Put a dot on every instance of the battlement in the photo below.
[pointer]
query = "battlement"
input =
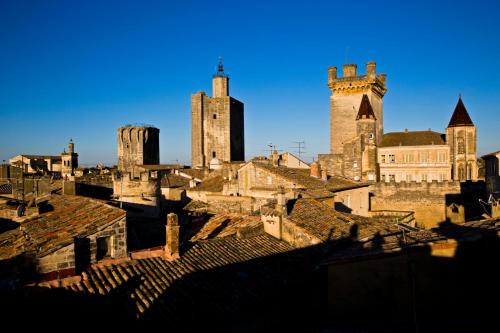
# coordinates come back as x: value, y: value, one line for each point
x: 352, y: 81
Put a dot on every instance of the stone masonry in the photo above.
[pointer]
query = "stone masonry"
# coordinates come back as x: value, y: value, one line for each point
x: 217, y: 124
x: 137, y: 145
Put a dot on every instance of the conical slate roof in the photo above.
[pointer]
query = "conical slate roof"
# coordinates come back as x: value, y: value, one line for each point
x: 460, y: 116
x: 365, y: 109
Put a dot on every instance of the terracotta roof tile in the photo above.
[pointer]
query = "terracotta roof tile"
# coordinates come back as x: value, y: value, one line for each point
x: 71, y: 216
x: 326, y: 224
x: 413, y: 138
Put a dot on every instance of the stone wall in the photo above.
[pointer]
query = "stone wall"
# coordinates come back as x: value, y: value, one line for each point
x: 332, y: 163
x: 427, y: 199
x: 66, y: 258
x: 140, y: 196
x: 229, y: 204
x: 137, y: 145
x: 355, y: 201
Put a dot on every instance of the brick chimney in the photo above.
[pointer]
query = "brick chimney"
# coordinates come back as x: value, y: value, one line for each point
x: 315, y: 170
x: 172, y: 229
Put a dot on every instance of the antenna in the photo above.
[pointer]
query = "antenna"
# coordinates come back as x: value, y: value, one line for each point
x: 272, y: 148
x: 299, y: 148
x: 346, y: 54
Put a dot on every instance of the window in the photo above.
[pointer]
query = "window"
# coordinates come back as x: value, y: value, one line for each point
x: 382, y: 178
x: 424, y: 177
x: 408, y: 158
x: 213, y: 154
x: 424, y: 157
x: 408, y: 177
x: 103, y: 248
x: 392, y: 178
x: 442, y: 156
x: 392, y: 159
x: 370, y: 136
x: 460, y: 146
x: 382, y: 159
x: 215, y: 116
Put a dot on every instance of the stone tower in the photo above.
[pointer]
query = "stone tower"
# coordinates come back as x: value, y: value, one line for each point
x: 366, y: 129
x: 347, y: 92
x: 69, y: 161
x: 461, y: 137
x: 217, y: 124
x: 137, y: 145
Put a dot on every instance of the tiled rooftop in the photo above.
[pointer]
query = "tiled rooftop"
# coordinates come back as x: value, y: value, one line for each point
x: 302, y: 178
x: 71, y: 216
x: 326, y: 224
x: 157, y: 287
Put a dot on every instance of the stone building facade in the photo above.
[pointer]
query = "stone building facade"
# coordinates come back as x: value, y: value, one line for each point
x: 492, y: 173
x: 217, y: 124
x: 137, y: 145
x: 414, y: 156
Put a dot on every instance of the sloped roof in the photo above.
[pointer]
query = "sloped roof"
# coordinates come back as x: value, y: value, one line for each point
x: 365, y: 109
x: 212, y: 276
x: 460, y: 116
x: 412, y: 138
x: 302, y: 178
x: 326, y: 224
x: 223, y: 225
x: 172, y: 180
x: 213, y: 184
x: 71, y: 216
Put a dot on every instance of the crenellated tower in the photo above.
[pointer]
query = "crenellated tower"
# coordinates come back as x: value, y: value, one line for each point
x: 346, y: 95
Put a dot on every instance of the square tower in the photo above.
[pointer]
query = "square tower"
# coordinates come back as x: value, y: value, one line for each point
x: 345, y: 99
x: 461, y: 138
x: 217, y: 124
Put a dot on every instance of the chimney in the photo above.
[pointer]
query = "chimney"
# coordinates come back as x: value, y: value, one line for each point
x: 192, y: 183
x: 281, y: 201
x: 315, y: 170
x: 172, y: 230
x: 324, y: 176
x: 275, y: 158
x: 349, y: 70
x: 332, y: 74
x: 370, y: 70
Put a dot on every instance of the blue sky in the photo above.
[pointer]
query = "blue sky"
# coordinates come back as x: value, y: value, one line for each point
x: 81, y: 69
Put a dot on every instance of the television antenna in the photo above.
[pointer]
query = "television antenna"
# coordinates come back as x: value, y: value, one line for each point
x: 299, y: 148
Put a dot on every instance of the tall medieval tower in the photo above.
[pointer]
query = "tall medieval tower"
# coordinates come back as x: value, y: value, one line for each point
x: 69, y: 161
x: 217, y: 124
x: 347, y: 92
x: 137, y: 145
x: 461, y: 137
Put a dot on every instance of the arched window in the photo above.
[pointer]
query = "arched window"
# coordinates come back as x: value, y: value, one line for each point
x: 460, y: 146
x: 461, y: 172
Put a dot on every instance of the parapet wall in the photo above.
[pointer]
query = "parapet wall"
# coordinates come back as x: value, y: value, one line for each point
x: 427, y: 199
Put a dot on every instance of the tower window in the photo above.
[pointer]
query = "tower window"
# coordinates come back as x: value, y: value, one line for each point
x: 215, y: 116
x: 214, y: 155
x: 461, y: 145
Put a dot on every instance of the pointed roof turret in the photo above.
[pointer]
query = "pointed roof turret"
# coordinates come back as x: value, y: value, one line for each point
x: 365, y: 109
x: 460, y: 116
